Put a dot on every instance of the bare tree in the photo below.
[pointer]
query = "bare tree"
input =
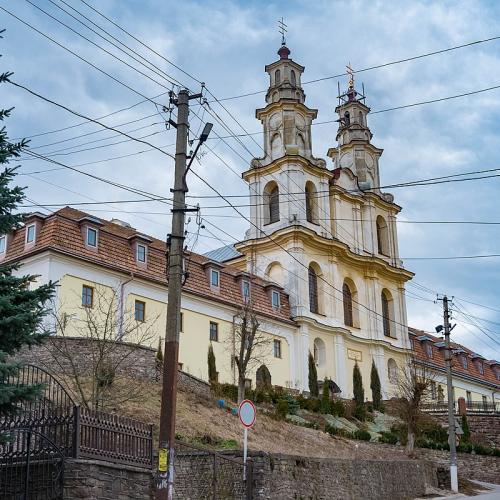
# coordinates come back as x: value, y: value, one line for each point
x: 413, y: 386
x: 250, y: 343
x: 99, y: 376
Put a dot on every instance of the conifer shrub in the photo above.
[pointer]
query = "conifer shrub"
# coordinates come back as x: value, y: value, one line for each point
x: 282, y: 409
x: 313, y: 377
x: 466, y: 429
x: 388, y: 438
x: 361, y: 435
x: 376, y: 388
x: 359, y: 394
x: 338, y: 408
x: 326, y: 406
x: 212, y: 369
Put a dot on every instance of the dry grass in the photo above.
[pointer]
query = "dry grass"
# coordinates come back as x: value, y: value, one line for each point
x: 198, y: 417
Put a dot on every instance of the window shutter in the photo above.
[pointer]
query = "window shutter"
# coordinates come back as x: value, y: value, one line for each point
x: 313, y: 290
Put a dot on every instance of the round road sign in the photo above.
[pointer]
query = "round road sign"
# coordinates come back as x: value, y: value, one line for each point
x: 247, y: 413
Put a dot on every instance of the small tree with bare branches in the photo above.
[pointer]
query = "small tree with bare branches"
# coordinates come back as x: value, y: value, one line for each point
x: 412, y: 389
x: 251, y: 345
x: 99, y: 378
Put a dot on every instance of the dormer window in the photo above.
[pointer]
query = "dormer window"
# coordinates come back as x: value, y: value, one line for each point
x: 480, y: 367
x: 245, y: 289
x: 92, y: 237
x: 141, y: 252
x: 30, y: 233
x: 428, y: 350
x: 275, y: 299
x: 3, y: 244
x: 465, y: 363
x: 214, y: 278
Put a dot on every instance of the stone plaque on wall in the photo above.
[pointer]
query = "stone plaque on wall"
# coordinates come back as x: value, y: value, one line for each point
x: 355, y: 355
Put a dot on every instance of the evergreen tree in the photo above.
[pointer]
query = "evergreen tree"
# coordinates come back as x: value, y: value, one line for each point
x: 326, y: 404
x: 359, y: 393
x: 375, y: 387
x: 466, y: 429
x: 212, y: 370
x: 21, y: 310
x: 313, y: 377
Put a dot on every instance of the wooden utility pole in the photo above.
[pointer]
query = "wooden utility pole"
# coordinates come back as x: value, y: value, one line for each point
x: 451, y: 402
x: 175, y: 247
x: 175, y: 257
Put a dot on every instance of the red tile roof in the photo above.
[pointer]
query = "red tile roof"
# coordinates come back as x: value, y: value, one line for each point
x: 490, y: 374
x: 62, y: 232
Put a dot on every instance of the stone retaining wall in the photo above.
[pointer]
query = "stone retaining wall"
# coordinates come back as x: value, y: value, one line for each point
x: 485, y: 429
x: 135, y: 360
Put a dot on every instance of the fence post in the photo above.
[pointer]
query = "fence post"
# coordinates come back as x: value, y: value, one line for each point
x: 249, y: 480
x: 151, y: 444
x: 215, y: 477
x: 76, y: 431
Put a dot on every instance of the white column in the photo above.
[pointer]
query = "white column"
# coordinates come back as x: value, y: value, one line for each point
x: 303, y: 357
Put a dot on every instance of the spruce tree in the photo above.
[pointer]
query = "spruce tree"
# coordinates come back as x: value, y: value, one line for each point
x: 375, y: 387
x: 326, y: 404
x: 21, y: 310
x: 313, y: 377
x: 212, y: 370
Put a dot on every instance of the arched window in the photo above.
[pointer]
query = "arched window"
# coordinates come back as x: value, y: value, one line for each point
x: 387, y: 312
x: 347, y: 119
x: 274, y: 272
x: 360, y: 118
x: 293, y: 79
x: 347, y: 299
x: 272, y: 203
x: 311, y: 203
x: 313, y: 290
x: 392, y: 370
x: 319, y: 352
x: 277, y: 77
x: 382, y: 236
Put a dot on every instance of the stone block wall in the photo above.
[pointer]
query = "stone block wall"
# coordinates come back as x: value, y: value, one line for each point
x: 291, y: 477
x: 478, y: 467
x: 95, y: 480
x: 135, y: 360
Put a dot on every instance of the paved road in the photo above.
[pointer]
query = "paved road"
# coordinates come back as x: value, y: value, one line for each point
x: 492, y: 494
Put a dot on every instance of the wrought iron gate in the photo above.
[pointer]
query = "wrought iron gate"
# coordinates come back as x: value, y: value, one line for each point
x: 31, y: 467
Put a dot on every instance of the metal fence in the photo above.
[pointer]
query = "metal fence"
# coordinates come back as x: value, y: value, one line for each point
x: 201, y: 473
x: 478, y: 407
x: 104, y: 436
x: 31, y: 467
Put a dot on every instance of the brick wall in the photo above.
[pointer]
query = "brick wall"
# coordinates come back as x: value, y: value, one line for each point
x: 135, y: 360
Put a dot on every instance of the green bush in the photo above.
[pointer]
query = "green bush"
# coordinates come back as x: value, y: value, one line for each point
x: 337, y: 408
x: 361, y: 435
x: 325, y: 398
x: 466, y: 429
x: 229, y: 391
x: 388, y: 438
x: 282, y: 408
x: 359, y: 412
x: 496, y: 452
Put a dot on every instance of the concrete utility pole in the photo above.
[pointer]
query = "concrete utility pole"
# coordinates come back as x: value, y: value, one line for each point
x: 175, y: 246
x: 451, y: 404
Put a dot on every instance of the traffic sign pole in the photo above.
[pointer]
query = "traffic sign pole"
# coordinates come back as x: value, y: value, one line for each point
x: 245, y: 440
x: 247, y: 413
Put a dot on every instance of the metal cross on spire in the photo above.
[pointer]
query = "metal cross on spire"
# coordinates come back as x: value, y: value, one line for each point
x: 282, y: 29
x: 350, y: 73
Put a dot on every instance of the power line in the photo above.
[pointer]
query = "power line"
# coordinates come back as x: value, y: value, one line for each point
x: 78, y: 56
x: 50, y: 101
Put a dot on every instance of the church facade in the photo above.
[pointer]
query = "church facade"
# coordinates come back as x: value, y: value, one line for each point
x: 319, y: 263
x: 327, y: 233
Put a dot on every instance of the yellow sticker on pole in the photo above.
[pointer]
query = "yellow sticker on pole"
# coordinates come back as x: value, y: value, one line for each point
x: 162, y: 460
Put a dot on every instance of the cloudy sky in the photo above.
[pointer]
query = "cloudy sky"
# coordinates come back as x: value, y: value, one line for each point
x: 226, y: 45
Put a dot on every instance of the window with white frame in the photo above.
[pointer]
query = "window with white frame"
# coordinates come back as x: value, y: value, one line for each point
x: 480, y: 367
x: 30, y: 233
x: 91, y: 237
x: 141, y: 253
x: 3, y: 244
x: 465, y: 363
x: 428, y: 350
x: 277, y: 348
x: 214, y: 277
x: 275, y: 298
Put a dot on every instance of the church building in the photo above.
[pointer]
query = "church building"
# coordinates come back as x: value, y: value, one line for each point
x: 319, y: 263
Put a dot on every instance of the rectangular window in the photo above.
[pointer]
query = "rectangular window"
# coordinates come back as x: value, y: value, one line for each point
x: 275, y: 299
x: 3, y: 245
x: 485, y: 402
x: 245, y: 289
x: 214, y: 331
x: 30, y: 233
x: 428, y: 349
x: 91, y: 237
x: 277, y: 348
x: 141, y: 253
x: 214, y: 277
x: 480, y: 367
x: 469, y: 397
x: 140, y: 310
x: 87, y: 296
x: 433, y: 390
x: 465, y: 364
x: 181, y: 326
